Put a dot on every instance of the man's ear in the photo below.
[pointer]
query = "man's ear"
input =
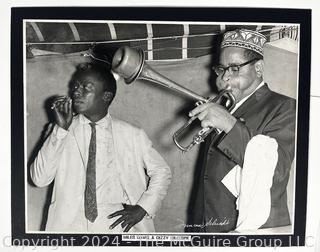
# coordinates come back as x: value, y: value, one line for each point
x: 107, y: 96
x: 259, y: 67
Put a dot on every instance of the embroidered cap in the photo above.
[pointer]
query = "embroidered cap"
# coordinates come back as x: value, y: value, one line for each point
x: 248, y: 39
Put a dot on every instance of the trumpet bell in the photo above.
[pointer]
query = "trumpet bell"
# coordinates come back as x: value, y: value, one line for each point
x: 128, y: 63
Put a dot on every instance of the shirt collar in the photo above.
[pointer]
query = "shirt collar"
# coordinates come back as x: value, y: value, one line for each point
x: 103, y: 122
x: 246, y: 98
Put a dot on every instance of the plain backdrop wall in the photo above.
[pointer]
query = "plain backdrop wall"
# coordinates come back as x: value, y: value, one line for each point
x: 159, y: 111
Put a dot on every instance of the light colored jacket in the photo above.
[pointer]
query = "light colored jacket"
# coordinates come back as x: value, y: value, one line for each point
x: 60, y: 159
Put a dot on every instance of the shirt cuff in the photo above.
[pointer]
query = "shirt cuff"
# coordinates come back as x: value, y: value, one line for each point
x: 143, y: 204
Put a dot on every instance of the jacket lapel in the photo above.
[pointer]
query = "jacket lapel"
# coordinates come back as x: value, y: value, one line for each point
x: 116, y: 139
x: 118, y: 151
x: 251, y: 103
x: 77, y: 133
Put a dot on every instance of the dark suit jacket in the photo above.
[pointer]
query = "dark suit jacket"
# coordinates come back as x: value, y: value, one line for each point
x: 267, y: 113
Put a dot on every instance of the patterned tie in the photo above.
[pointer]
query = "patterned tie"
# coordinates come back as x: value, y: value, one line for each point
x: 90, y: 197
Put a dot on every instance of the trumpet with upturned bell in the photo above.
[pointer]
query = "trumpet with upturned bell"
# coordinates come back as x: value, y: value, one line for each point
x: 130, y: 64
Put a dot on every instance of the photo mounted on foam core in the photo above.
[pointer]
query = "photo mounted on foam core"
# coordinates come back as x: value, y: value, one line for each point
x: 154, y: 129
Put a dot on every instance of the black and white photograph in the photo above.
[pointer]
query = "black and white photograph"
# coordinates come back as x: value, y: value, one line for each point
x: 162, y: 129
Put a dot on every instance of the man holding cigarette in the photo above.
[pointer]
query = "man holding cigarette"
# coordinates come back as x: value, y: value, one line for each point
x: 102, y: 167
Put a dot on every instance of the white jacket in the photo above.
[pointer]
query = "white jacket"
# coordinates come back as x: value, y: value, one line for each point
x: 60, y: 160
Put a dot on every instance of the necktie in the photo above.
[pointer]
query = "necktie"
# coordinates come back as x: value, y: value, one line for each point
x: 90, y: 197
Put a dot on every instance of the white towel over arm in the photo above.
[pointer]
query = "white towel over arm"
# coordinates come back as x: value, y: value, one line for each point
x: 251, y: 184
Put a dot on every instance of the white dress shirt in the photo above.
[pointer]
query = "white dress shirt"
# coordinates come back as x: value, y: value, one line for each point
x: 109, y: 191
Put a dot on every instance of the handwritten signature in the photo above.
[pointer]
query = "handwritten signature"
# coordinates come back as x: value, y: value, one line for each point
x: 211, y: 222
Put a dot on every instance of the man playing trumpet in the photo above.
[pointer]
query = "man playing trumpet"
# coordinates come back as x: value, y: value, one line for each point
x: 246, y: 168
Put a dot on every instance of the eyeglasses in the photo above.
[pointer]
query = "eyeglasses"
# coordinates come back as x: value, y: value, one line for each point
x: 232, y: 69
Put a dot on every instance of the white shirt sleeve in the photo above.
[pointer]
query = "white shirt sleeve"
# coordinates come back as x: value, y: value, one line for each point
x: 44, y: 167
